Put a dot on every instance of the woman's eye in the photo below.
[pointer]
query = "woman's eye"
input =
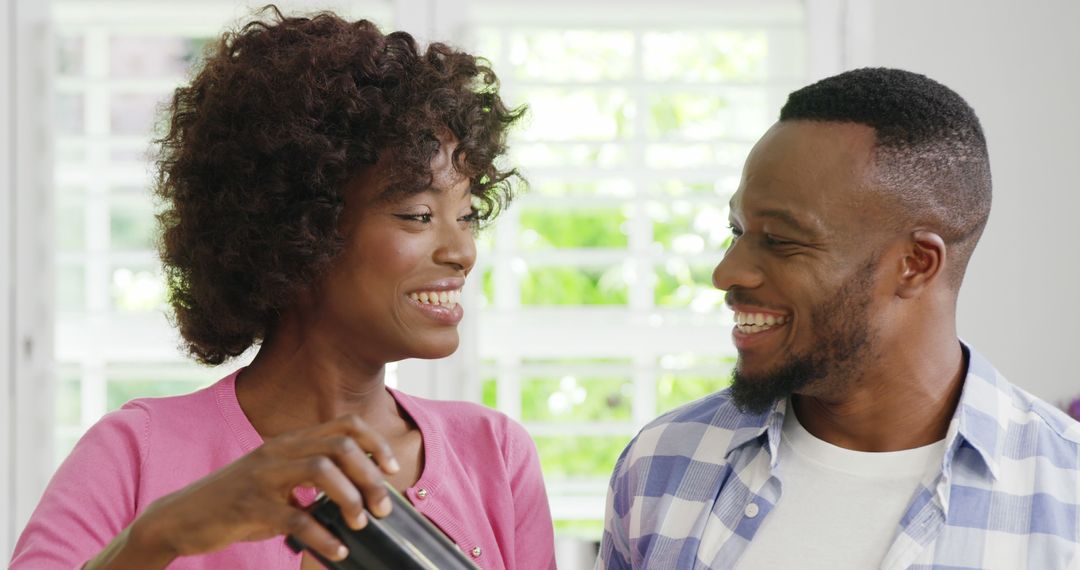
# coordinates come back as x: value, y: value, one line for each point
x: 735, y: 232
x: 471, y: 218
x: 422, y: 218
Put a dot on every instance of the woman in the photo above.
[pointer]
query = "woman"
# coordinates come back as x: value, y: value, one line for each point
x: 319, y: 180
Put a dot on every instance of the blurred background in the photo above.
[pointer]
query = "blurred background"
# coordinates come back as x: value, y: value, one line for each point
x: 591, y: 310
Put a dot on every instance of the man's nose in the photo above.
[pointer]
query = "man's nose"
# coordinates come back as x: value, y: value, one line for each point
x: 737, y: 268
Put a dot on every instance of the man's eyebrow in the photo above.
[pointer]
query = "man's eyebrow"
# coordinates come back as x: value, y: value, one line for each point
x: 788, y: 219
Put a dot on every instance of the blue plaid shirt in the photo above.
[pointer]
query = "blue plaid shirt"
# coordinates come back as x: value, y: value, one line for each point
x: 694, y: 486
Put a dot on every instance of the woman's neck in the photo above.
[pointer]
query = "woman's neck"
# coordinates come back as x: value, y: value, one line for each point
x: 300, y: 380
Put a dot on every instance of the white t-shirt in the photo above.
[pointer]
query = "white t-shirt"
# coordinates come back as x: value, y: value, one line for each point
x: 839, y: 509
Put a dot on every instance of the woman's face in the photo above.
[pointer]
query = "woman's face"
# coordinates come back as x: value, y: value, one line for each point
x: 393, y: 292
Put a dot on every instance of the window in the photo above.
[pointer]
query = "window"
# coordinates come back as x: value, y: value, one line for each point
x: 599, y: 312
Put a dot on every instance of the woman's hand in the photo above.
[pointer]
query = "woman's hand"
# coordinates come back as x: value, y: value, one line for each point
x: 252, y: 498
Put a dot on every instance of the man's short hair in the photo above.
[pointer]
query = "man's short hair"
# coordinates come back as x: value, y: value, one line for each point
x: 930, y: 154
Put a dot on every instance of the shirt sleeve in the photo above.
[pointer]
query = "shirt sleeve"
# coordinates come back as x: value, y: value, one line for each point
x: 91, y: 498
x: 615, y: 543
x: 534, y: 544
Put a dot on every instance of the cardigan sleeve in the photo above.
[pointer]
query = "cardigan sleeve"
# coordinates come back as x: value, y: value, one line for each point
x: 91, y: 498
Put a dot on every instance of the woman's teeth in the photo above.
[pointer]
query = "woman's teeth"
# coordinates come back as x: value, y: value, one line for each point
x: 751, y: 323
x: 445, y: 298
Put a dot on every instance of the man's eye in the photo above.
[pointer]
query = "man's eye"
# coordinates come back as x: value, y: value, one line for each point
x: 422, y: 218
x: 774, y: 241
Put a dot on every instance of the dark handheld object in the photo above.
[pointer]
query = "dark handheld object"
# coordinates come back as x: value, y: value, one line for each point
x: 402, y: 540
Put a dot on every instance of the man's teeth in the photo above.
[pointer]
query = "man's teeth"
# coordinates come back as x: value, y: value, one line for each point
x: 445, y: 298
x: 757, y: 322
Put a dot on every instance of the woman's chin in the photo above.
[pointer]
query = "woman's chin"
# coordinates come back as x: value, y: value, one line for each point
x: 435, y: 350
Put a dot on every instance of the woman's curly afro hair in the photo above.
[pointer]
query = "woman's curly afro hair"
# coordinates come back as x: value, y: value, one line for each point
x: 262, y: 143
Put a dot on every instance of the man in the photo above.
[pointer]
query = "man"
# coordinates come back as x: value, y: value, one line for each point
x: 858, y: 432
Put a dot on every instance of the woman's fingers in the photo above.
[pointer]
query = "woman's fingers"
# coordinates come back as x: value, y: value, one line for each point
x: 349, y: 442
x: 322, y: 472
x: 368, y: 439
x: 362, y: 472
x: 304, y: 527
x: 371, y: 441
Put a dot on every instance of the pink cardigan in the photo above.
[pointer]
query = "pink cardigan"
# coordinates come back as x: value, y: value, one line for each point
x: 481, y: 481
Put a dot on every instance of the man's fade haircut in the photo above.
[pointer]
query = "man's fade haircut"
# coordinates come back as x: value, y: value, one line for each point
x: 930, y: 153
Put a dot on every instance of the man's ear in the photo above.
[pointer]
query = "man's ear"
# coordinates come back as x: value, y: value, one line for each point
x: 922, y: 264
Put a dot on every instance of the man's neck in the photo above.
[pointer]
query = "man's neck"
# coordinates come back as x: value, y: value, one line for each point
x: 904, y: 401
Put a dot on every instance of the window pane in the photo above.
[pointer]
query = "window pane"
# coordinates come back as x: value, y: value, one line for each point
x: 70, y: 58
x: 64, y: 440
x: 579, y: 456
x: 728, y: 156
x: 571, y: 398
x: 570, y: 55
x: 574, y: 286
x: 120, y: 392
x: 673, y: 390
x: 578, y: 228
x: 69, y: 113
x: 131, y: 225
x: 137, y: 289
x: 68, y: 398
x: 560, y: 114
x: 679, y: 284
x: 152, y: 56
x: 562, y: 155
x: 693, y: 56
x: 70, y: 228
x: 689, y: 228
x: 614, y: 187
x: 487, y: 287
x: 70, y: 288
x: 709, y: 115
x: 489, y: 391
x: 135, y: 113
x: 722, y: 186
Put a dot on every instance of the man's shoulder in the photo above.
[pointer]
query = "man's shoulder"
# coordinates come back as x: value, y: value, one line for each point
x: 1054, y: 419
x: 1034, y: 427
x: 689, y: 430
x: 1014, y: 410
x: 1031, y: 446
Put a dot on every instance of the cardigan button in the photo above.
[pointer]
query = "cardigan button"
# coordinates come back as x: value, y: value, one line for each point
x: 476, y: 552
x: 422, y: 493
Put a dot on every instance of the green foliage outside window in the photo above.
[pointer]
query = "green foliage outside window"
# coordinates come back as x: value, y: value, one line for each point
x: 579, y: 456
x: 579, y: 228
x: 574, y: 286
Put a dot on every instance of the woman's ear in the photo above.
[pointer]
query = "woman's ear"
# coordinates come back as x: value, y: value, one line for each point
x: 921, y: 265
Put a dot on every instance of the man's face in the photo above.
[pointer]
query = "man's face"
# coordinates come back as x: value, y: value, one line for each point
x: 801, y: 272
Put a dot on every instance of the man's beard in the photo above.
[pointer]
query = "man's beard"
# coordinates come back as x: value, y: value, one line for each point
x: 844, y: 337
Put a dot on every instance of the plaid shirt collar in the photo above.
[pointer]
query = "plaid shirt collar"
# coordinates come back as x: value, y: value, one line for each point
x: 974, y: 423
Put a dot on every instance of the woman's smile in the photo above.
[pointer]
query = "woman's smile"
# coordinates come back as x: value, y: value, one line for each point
x: 443, y: 307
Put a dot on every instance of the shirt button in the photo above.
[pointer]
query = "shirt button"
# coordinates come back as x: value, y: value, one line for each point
x: 476, y: 552
x: 751, y: 510
x: 422, y: 493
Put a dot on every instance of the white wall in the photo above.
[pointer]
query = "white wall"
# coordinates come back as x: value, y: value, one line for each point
x: 1018, y: 64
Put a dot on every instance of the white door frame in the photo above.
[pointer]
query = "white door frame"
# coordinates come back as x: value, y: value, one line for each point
x: 26, y: 317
